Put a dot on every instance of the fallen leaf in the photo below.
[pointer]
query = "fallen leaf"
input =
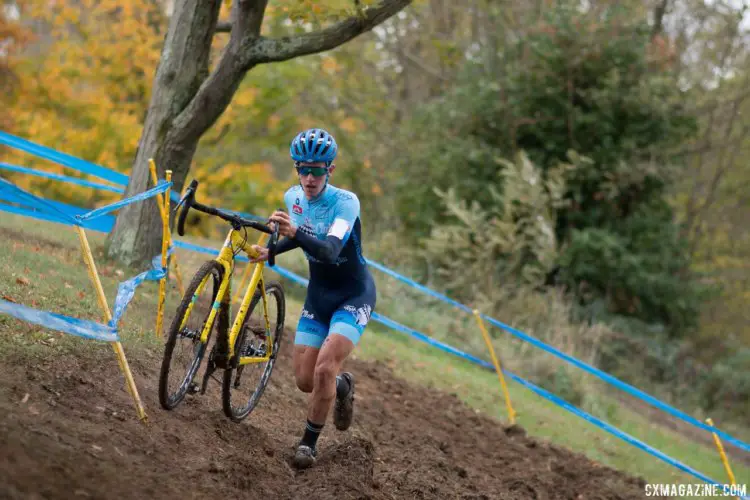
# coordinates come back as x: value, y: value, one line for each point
x: 81, y: 295
x: 22, y: 280
x: 9, y: 299
x: 96, y: 448
x: 25, y: 398
x: 68, y: 285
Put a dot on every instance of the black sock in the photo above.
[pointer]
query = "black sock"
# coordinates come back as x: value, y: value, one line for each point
x: 342, y: 386
x: 312, y: 431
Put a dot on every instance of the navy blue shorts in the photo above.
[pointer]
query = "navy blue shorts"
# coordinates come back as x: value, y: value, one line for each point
x: 344, y: 311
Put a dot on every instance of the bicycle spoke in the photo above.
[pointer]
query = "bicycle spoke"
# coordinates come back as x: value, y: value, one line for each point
x: 244, y: 384
x: 184, y: 351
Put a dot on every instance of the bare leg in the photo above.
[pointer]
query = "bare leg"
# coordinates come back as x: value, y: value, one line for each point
x: 319, y: 368
x: 305, y: 358
x: 333, y: 353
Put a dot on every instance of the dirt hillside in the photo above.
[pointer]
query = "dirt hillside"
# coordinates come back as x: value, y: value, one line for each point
x: 67, y: 430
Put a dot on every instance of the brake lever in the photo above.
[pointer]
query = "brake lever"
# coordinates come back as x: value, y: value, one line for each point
x: 179, y: 204
x: 188, y: 192
x: 272, y: 244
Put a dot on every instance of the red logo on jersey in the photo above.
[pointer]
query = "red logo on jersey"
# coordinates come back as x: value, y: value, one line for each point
x: 297, y: 209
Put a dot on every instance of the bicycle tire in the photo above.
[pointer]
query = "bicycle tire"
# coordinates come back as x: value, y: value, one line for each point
x: 237, y: 414
x: 170, y: 401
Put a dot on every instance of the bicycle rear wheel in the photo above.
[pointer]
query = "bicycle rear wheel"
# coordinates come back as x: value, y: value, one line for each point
x: 187, y: 325
x: 243, y: 385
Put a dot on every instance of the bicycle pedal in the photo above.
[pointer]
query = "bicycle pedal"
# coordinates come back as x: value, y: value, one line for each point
x: 194, y: 388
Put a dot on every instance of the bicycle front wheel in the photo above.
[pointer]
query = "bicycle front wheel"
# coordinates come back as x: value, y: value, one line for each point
x: 243, y: 385
x: 184, y: 350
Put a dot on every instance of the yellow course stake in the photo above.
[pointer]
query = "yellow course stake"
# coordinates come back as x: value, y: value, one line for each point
x: 164, y: 212
x: 498, y: 369
x: 723, y: 455
x: 164, y: 248
x: 119, y: 351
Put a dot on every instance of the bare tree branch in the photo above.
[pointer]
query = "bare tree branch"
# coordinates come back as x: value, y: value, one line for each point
x: 659, y: 12
x: 217, y: 90
x: 264, y: 50
x: 246, y: 48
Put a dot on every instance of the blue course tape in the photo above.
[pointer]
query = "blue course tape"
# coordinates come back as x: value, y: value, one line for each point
x: 34, y: 214
x: 73, y: 326
x: 619, y: 384
x: 160, y: 188
x: 29, y: 201
x: 12, y: 193
x: 429, y: 340
x: 452, y: 350
x: 63, y: 159
x: 62, y: 178
x: 13, y: 141
x: 419, y: 287
x: 103, y: 225
x: 126, y: 289
x: 580, y: 364
x: 612, y: 430
x: 542, y: 392
x: 67, y: 214
x: 69, y: 161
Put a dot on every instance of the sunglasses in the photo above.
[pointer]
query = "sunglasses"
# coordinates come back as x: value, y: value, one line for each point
x: 316, y: 171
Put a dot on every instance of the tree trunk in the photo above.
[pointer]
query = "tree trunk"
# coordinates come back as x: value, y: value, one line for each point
x: 186, y: 100
x: 136, y: 236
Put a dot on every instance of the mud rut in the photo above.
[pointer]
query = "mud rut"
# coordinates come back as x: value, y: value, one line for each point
x: 75, y: 436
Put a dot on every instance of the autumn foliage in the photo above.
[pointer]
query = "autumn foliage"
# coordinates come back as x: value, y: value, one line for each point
x: 83, y: 88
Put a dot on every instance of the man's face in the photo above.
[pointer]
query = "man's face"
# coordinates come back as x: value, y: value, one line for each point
x: 314, y: 180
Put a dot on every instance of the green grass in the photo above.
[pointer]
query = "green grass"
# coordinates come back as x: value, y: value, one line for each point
x: 41, y: 266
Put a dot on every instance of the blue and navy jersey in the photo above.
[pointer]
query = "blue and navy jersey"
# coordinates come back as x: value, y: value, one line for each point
x: 334, y: 212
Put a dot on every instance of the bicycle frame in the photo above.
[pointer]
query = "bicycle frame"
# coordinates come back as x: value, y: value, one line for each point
x: 226, y: 259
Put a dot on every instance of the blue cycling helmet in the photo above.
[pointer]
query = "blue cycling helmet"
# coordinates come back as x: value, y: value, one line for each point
x: 314, y: 145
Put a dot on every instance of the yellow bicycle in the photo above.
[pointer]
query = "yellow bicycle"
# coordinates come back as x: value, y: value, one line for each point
x: 251, y: 343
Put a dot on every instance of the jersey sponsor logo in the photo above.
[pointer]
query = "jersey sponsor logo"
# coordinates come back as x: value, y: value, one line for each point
x: 361, y: 315
x: 297, y: 209
x: 307, y: 314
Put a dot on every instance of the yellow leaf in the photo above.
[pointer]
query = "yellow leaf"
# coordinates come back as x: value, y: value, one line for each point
x: 329, y: 65
x: 349, y: 125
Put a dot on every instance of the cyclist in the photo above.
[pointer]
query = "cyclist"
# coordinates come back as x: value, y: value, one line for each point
x: 324, y: 221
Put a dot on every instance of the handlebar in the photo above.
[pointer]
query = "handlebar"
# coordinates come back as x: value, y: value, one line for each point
x: 235, y: 220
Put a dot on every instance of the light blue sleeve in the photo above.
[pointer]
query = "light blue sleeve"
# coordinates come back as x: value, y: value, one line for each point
x: 345, y: 214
